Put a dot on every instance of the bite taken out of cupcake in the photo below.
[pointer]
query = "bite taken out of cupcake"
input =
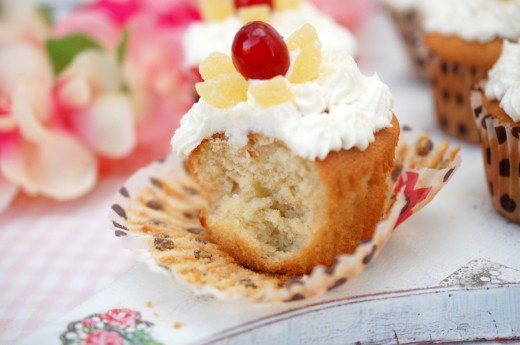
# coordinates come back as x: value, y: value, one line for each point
x: 293, y: 148
x: 223, y: 18
x: 496, y: 106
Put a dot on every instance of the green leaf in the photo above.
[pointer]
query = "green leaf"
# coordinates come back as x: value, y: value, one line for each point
x: 121, y: 48
x: 63, y: 50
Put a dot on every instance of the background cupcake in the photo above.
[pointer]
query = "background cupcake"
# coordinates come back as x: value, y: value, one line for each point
x: 465, y: 39
x: 407, y: 16
x: 496, y: 105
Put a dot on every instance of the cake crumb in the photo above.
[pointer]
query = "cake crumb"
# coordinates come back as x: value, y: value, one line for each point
x: 149, y: 304
x: 156, y: 314
x: 178, y: 325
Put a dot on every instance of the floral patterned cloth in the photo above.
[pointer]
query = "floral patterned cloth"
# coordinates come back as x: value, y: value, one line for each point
x: 114, y: 327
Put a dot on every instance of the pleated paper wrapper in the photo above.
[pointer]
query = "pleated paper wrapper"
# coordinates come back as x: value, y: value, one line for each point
x: 500, y: 143
x: 156, y: 215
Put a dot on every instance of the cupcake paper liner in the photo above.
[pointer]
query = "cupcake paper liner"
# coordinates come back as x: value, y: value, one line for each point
x: 156, y: 213
x: 451, y: 85
x: 410, y: 28
x: 500, y: 150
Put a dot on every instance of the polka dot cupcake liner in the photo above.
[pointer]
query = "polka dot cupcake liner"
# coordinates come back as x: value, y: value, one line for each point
x: 451, y: 84
x: 156, y: 214
x: 501, y: 156
x: 410, y: 29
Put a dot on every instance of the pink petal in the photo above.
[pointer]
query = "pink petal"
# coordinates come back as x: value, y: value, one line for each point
x: 97, y: 69
x: 91, y: 22
x: 108, y: 126
x: 59, y: 167
x: 118, y: 11
x: 28, y: 108
x: 8, y: 191
x: 21, y: 60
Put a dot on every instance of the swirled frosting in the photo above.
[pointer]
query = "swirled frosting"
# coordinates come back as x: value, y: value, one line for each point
x: 341, y: 109
x: 504, y: 80
x: 474, y: 20
x: 203, y: 38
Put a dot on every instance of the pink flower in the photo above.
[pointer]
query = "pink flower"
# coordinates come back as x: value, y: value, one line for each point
x: 36, y: 156
x: 104, y: 338
x: 121, y: 317
x: 159, y: 87
x: 89, y: 322
x: 51, y: 131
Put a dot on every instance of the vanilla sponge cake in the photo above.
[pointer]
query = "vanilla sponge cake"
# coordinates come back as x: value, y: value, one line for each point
x: 296, y: 177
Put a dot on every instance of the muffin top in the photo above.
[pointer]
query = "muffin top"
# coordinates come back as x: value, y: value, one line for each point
x: 203, y: 38
x: 474, y: 20
x: 321, y: 103
x: 504, y: 80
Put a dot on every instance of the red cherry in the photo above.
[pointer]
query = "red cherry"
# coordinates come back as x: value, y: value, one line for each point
x: 245, y: 3
x: 259, y: 52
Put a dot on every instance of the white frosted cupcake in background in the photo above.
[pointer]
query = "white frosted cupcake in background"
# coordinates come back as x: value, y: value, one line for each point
x: 496, y: 108
x: 464, y: 39
x: 407, y: 15
x: 223, y: 18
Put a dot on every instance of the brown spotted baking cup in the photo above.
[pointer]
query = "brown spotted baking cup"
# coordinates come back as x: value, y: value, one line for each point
x: 451, y: 84
x: 500, y: 150
x: 409, y: 25
x: 156, y: 213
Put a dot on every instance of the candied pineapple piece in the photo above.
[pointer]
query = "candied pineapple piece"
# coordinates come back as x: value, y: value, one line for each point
x: 304, y: 36
x: 271, y: 92
x: 216, y: 9
x: 253, y: 13
x: 306, y: 66
x: 283, y: 5
x: 216, y: 64
x: 224, y: 90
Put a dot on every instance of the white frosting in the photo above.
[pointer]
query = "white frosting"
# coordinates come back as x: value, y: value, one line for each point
x: 203, y: 38
x: 341, y: 109
x: 504, y: 80
x: 474, y: 20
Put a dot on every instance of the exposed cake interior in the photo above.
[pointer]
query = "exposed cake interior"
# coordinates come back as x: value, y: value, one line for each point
x: 261, y: 190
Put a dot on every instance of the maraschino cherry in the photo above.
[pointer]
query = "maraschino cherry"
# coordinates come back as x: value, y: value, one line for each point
x: 259, y: 52
x: 245, y: 3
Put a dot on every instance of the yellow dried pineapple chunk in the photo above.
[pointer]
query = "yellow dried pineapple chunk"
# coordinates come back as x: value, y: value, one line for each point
x: 253, y: 13
x: 216, y: 64
x: 216, y: 9
x: 306, y: 66
x: 283, y: 5
x: 304, y: 36
x: 223, y: 91
x: 271, y: 92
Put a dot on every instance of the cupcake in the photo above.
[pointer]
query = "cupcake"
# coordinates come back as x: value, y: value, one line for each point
x: 464, y: 38
x: 223, y: 18
x: 407, y: 16
x: 496, y: 105
x: 293, y: 148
